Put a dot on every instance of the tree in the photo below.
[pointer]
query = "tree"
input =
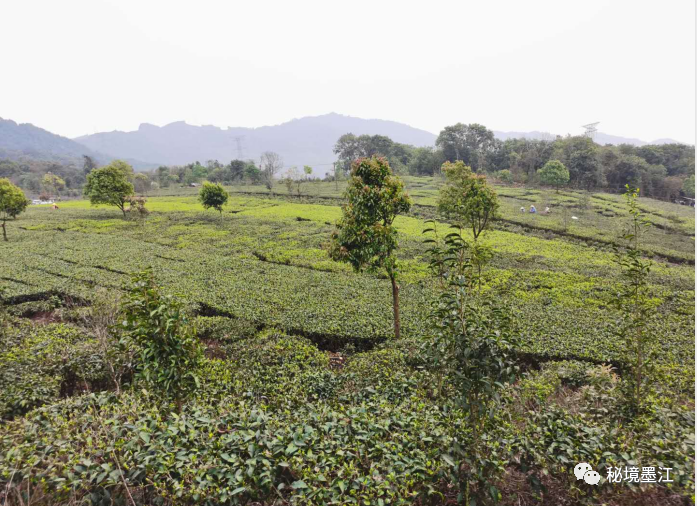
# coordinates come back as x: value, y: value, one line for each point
x: 163, y: 176
x: 637, y: 307
x: 213, y: 195
x: 505, y: 176
x: 348, y: 149
x: 12, y: 203
x: 253, y: 173
x: 236, y: 170
x: 425, y: 161
x: 125, y: 168
x: 688, y: 187
x: 88, y: 164
x: 469, y: 143
x: 156, y: 325
x: 554, y: 173
x: 308, y: 171
x: 52, y: 184
x: 141, y: 182
x: 473, y: 345
x: 467, y: 199
x: 581, y: 156
x: 271, y: 163
x: 110, y: 186
x: 628, y: 170
x: 365, y: 236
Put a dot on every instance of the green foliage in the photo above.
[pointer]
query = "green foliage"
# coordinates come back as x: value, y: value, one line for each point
x: 467, y: 199
x: 222, y: 328
x: 554, y: 173
x: 110, y: 185
x: 466, y: 143
x: 167, y: 345
x: 12, y: 203
x: 637, y: 307
x: 52, y: 183
x: 505, y: 176
x: 213, y: 195
x: 38, y: 364
x: 365, y: 236
x: 350, y: 148
x: 474, y: 345
x: 688, y: 187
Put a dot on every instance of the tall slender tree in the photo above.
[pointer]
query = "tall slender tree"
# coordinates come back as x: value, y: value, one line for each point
x: 365, y: 235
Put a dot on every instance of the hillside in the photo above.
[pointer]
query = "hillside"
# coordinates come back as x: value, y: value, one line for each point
x: 305, y: 141
x: 19, y: 140
x: 600, y: 137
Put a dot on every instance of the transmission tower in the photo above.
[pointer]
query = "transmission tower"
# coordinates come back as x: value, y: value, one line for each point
x: 240, y: 152
x: 591, y: 129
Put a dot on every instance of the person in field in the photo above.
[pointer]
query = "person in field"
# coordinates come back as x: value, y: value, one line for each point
x: 533, y: 210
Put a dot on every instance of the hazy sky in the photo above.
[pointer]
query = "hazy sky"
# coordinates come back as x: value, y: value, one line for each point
x: 76, y: 67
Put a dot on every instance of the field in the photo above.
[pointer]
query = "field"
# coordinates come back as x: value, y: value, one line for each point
x: 306, y: 397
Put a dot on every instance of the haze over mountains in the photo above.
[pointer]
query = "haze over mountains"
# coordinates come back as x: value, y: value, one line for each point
x: 304, y: 141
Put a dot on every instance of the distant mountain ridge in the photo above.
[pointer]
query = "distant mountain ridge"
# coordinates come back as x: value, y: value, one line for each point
x: 600, y: 137
x: 304, y: 141
x: 24, y: 140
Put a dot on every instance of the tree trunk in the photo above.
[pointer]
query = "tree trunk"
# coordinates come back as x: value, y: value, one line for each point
x: 395, y: 305
x: 4, y: 231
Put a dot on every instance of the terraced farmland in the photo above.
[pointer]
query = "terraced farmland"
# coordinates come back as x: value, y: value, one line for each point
x: 277, y: 316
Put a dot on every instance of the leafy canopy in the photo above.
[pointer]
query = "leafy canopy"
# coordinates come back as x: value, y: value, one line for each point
x: 157, y: 326
x: 110, y: 185
x: 365, y: 237
x: 467, y: 199
x: 554, y: 173
x: 213, y: 195
x: 12, y: 202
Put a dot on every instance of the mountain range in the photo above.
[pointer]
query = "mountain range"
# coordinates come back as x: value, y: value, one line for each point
x: 304, y: 141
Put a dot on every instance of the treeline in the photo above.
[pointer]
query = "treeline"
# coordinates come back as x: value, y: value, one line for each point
x: 663, y: 171
x: 237, y: 171
x: 52, y: 178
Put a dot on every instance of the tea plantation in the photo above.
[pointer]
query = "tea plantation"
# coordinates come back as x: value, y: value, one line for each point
x: 304, y: 396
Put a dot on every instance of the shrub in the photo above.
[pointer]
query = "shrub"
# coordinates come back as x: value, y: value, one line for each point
x: 166, y: 343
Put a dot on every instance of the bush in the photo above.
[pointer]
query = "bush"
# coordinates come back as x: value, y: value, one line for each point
x: 156, y: 326
x: 39, y: 364
x: 505, y: 176
x: 222, y: 328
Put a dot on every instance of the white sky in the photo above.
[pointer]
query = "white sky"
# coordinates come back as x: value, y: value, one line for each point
x: 75, y: 67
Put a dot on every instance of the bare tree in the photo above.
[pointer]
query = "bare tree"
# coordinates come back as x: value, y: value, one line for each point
x: 271, y: 164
